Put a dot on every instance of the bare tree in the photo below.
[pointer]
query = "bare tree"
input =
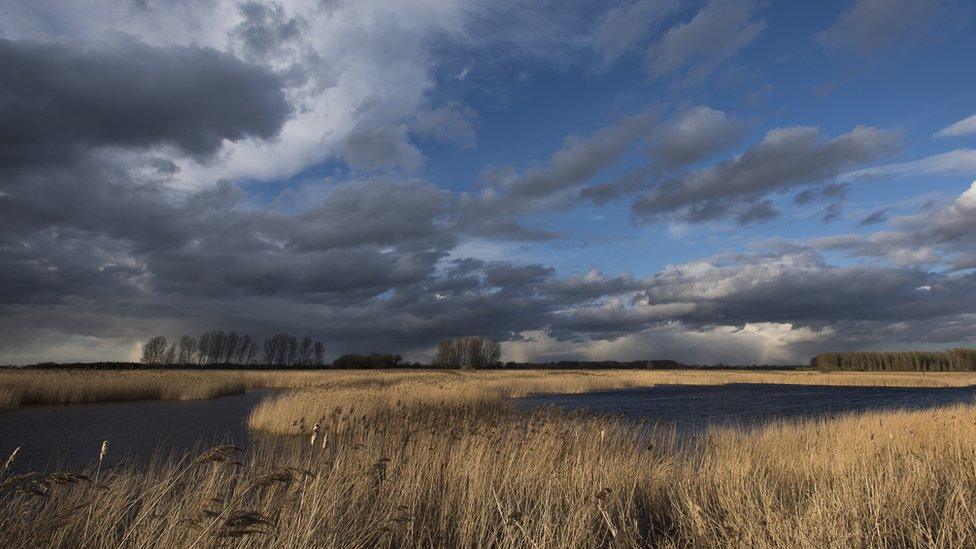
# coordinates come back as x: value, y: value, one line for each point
x: 447, y: 354
x: 305, y: 352
x: 280, y: 349
x: 292, y: 350
x: 468, y: 352
x: 491, y: 353
x: 243, y: 349
x: 230, y: 347
x: 154, y: 351
x: 216, y: 351
x: 187, y: 350
x: 270, y: 350
x: 170, y: 357
x: 319, y: 352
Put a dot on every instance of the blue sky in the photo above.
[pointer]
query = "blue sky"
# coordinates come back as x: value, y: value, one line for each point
x: 718, y: 180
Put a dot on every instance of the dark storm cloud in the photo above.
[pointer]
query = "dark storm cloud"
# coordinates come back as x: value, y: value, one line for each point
x: 831, y: 294
x: 576, y: 289
x: 517, y: 277
x: 57, y: 101
x: 97, y: 242
x: 794, y: 288
x: 378, y: 212
x: 786, y: 158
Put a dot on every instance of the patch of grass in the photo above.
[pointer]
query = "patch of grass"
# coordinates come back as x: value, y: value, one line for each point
x: 20, y: 387
x: 439, y: 459
x: 368, y: 392
x: 487, y: 475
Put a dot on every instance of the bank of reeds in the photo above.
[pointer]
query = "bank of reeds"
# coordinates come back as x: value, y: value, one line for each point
x: 479, y: 475
x: 372, y: 392
x: 23, y: 387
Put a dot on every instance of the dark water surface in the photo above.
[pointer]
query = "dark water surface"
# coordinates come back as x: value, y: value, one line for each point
x: 69, y: 436
x: 691, y: 408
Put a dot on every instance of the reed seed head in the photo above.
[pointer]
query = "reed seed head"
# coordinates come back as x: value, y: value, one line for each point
x: 12, y: 458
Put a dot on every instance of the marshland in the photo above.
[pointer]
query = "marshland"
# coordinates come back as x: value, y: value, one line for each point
x: 446, y: 458
x: 547, y: 274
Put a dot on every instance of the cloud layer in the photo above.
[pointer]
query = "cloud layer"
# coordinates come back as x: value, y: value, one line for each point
x: 267, y: 166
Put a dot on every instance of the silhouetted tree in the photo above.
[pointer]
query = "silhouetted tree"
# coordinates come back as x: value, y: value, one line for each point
x: 243, y: 349
x: 305, y: 352
x: 252, y: 352
x: 231, y: 341
x: 916, y: 361
x: 280, y: 349
x: 468, y: 352
x: 292, y: 351
x: 187, y: 350
x: 154, y: 351
x: 203, y: 348
x: 170, y: 357
x: 319, y: 352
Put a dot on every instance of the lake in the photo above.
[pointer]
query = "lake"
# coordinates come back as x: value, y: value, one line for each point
x: 693, y: 407
x: 69, y: 436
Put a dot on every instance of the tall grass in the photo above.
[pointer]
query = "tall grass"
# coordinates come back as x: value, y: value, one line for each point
x: 372, y: 392
x: 67, y: 386
x: 9, y: 399
x: 479, y: 475
x: 20, y: 387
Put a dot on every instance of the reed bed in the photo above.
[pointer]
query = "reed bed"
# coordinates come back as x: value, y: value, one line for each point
x: 479, y: 475
x: 370, y: 392
x: 69, y: 386
x: 20, y: 387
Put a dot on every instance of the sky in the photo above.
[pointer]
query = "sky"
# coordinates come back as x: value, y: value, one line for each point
x: 730, y: 181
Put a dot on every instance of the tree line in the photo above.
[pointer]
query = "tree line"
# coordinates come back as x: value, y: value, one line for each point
x: 907, y: 361
x: 468, y: 353
x: 216, y: 347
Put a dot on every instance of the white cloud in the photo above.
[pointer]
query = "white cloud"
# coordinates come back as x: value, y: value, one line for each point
x: 966, y: 126
x: 959, y: 161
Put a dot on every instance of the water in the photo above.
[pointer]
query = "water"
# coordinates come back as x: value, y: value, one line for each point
x: 69, y: 436
x: 691, y: 408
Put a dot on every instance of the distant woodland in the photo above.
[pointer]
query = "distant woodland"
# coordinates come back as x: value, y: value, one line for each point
x: 953, y: 360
